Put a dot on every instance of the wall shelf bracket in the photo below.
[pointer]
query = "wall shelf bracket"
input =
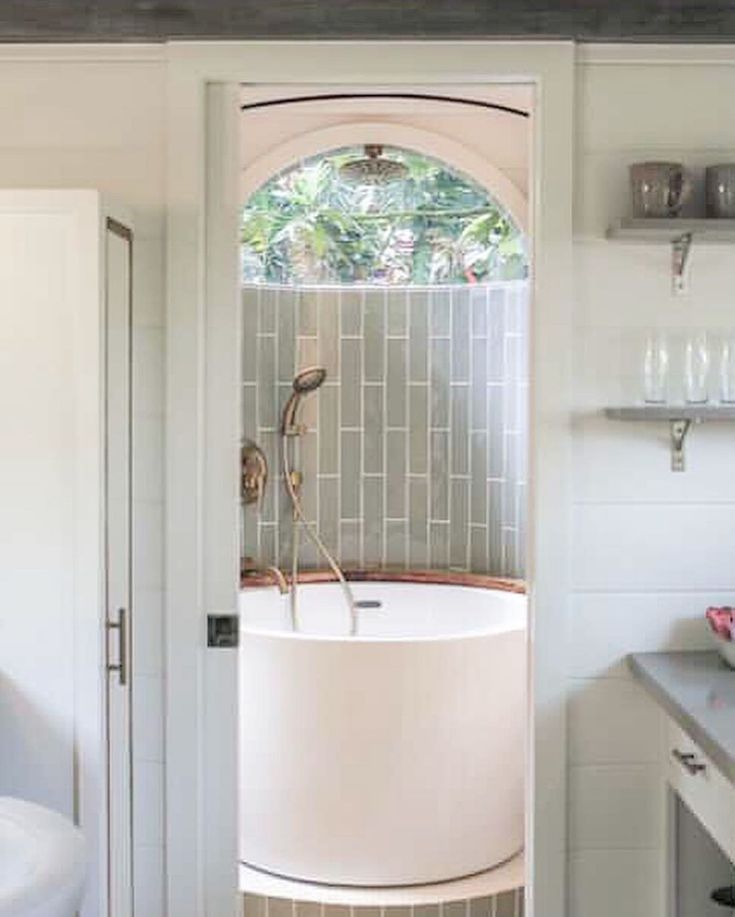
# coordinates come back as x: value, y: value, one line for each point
x: 681, y: 248
x: 679, y: 430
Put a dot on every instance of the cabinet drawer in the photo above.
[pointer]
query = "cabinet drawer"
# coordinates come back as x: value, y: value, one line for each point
x: 704, y: 789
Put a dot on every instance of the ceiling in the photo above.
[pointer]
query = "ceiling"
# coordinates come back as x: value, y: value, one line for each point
x: 158, y: 20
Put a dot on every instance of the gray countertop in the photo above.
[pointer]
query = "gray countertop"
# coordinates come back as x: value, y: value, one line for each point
x: 697, y: 689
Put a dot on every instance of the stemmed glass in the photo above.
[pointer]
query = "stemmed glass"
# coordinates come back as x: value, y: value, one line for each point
x: 727, y: 369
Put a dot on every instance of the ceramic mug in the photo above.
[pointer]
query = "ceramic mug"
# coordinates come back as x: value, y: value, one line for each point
x: 659, y: 188
x: 720, y: 190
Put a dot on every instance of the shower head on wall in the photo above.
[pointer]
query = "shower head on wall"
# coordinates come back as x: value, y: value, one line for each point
x: 309, y: 379
x: 373, y: 169
x: 306, y: 381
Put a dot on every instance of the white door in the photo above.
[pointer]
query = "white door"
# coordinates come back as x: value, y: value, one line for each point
x: 118, y: 347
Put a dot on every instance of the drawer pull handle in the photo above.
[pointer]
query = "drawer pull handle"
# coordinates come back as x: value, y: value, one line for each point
x: 688, y: 761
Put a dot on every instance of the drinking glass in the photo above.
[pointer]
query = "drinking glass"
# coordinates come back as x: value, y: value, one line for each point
x: 727, y: 369
x: 656, y: 368
x: 696, y: 368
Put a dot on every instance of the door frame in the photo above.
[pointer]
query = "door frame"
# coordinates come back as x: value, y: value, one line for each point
x: 202, y: 427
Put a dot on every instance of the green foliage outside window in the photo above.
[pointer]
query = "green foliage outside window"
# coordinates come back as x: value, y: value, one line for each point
x: 309, y: 226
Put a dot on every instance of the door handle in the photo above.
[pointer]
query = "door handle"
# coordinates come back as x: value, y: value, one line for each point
x: 121, y: 666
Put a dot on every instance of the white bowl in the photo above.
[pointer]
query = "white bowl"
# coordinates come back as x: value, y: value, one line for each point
x: 727, y: 649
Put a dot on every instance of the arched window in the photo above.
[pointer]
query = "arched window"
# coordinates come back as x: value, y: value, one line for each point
x: 377, y: 215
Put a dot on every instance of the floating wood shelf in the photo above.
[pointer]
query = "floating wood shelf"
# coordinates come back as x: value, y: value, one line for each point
x: 680, y: 418
x: 671, y: 230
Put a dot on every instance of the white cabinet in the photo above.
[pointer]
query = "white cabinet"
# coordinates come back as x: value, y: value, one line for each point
x: 700, y: 856
x: 65, y: 303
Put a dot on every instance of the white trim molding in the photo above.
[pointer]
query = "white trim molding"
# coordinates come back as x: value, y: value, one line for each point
x: 200, y: 686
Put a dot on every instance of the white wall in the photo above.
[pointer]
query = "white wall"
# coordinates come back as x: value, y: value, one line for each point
x: 95, y: 118
x: 651, y: 549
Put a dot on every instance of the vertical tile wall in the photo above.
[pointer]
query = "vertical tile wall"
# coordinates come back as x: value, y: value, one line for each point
x: 416, y: 450
x: 506, y: 904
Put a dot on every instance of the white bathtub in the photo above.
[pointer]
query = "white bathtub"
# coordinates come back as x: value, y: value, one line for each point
x: 392, y: 758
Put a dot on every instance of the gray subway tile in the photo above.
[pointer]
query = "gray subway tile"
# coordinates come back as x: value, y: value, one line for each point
x: 372, y: 534
x: 495, y: 431
x: 496, y: 346
x: 366, y: 912
x: 495, y: 542
x: 249, y: 302
x: 351, y: 311
x: 454, y: 909
x: 460, y: 459
x: 418, y: 333
x: 329, y: 396
x: 267, y: 411
x: 507, y: 904
x: 349, y: 537
x: 329, y: 512
x: 439, y: 506
x: 254, y: 906
x: 269, y: 443
x: 440, y: 383
x: 481, y: 907
x: 478, y: 548
x: 418, y: 440
x: 309, y: 556
x: 308, y: 909
x: 478, y: 417
x: 458, y: 524
x: 307, y: 306
x: 396, y: 543
x: 307, y: 463
x: 418, y: 522
x: 337, y: 910
x: 268, y: 553
x: 396, y: 390
x: 374, y: 429
x: 441, y: 305
x: 328, y: 335
x: 351, y: 383
x: 478, y: 305
x: 478, y: 471
x: 249, y: 405
x: 250, y: 526
x: 439, y: 545
x: 280, y: 907
x: 350, y: 464
x: 395, y: 474
x: 429, y: 910
x: 460, y: 336
x: 396, y: 309
x: 286, y: 336
x: 268, y: 309
x: 374, y: 336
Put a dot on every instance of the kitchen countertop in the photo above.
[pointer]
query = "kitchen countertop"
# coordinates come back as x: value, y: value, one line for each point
x: 697, y: 690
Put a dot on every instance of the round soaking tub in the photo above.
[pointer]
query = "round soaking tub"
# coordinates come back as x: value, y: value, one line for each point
x: 394, y: 757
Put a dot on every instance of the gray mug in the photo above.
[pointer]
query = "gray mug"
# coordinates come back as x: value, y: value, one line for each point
x: 659, y: 188
x: 720, y: 190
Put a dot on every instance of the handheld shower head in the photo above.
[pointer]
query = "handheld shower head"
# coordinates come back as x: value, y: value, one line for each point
x: 306, y: 381
x: 309, y: 379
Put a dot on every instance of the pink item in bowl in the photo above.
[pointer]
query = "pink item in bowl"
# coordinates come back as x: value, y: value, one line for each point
x: 722, y: 621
